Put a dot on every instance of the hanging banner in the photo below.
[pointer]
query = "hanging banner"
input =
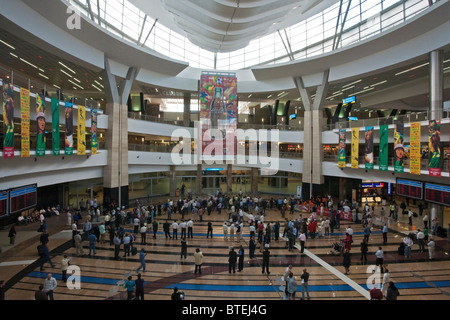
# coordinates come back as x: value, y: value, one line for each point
x: 342, y: 155
x: 68, y: 139
x: 434, y: 147
x: 384, y: 159
x: 399, y: 150
x: 40, y: 121
x: 368, y: 149
x: 415, y: 154
x: 24, y: 123
x: 81, y: 140
x: 8, y: 120
x: 94, y: 142
x: 55, y: 127
x: 218, y: 115
x: 355, y: 148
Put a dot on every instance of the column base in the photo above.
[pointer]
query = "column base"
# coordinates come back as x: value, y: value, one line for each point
x: 111, y: 195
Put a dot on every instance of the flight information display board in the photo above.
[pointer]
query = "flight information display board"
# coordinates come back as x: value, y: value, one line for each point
x: 23, y: 198
x: 4, y: 195
x: 437, y: 193
x: 410, y: 188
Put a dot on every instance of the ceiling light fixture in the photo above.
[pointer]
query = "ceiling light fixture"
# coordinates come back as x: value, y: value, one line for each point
x: 43, y: 76
x: 413, y: 68
x: 7, y: 44
x: 14, y: 55
x: 66, y: 67
x: 76, y: 84
x: 349, y: 84
x: 67, y: 74
x: 27, y: 62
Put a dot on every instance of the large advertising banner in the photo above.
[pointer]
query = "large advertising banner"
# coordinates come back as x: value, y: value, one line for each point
x: 399, y: 150
x: 55, y: 127
x: 24, y: 123
x: 40, y: 121
x: 384, y: 152
x: 81, y: 139
x: 94, y: 143
x: 355, y: 148
x: 342, y: 155
x: 218, y: 114
x: 368, y: 148
x: 8, y: 120
x: 415, y: 154
x: 68, y: 139
x: 434, y: 147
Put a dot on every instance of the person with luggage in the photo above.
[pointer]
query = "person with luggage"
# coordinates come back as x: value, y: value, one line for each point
x: 408, y: 241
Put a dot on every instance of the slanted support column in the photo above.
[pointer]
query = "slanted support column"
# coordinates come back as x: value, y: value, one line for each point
x: 199, y: 179
x: 313, y: 124
x: 115, y: 174
x: 255, y: 175
x: 173, y: 181
x: 229, y: 179
x: 187, y: 110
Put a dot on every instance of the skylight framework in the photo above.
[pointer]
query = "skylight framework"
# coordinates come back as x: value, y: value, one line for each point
x: 343, y: 24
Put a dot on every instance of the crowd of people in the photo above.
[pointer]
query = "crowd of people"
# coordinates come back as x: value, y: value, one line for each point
x: 316, y: 218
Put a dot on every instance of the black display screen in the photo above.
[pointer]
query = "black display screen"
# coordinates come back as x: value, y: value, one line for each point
x: 437, y: 193
x: 410, y: 188
x: 23, y: 198
x: 4, y: 203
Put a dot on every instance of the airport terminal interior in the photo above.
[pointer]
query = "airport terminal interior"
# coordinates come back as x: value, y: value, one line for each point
x: 317, y: 132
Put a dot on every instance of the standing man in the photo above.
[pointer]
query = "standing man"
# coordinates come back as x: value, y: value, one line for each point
x: 385, y: 231
x: 252, y: 247
x: 50, y: 285
x: 175, y: 230
x: 305, y: 289
x: 225, y: 231
x: 143, y: 233
x: 155, y: 228
x: 92, y: 239
x: 410, y: 216
x: 241, y: 259
x: 198, y: 258
x: 117, y: 242
x: 139, y: 287
x: 45, y: 256
x: 78, y: 246
x: 302, y: 238
x: 232, y: 258
x: 190, y: 225
x: 166, y: 228
x: 266, y: 260
x: 420, y: 240
x: 379, y: 261
x: 183, y: 226
x: 65, y: 262
x: 210, y: 230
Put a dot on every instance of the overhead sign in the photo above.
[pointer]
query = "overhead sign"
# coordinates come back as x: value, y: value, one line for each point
x: 348, y: 100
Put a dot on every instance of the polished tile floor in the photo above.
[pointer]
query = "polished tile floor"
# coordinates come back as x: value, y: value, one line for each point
x: 101, y: 276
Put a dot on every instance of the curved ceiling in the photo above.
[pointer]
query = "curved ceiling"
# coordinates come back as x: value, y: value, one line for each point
x: 228, y: 25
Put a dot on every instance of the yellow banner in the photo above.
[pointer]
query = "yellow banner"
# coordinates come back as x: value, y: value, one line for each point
x: 414, y: 151
x: 25, y: 122
x: 355, y: 148
x: 81, y: 144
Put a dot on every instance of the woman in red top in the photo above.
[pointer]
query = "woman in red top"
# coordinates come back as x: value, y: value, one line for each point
x: 348, y: 242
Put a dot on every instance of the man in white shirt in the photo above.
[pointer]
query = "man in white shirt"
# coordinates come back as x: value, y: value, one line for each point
x: 143, y: 233
x: 431, y: 245
x: 302, y: 238
x: 174, y: 230
x: 190, y: 225
x: 136, y: 223
x: 410, y: 216
x: 379, y: 261
x: 420, y: 240
x: 425, y: 220
x: 232, y: 232
x: 49, y: 286
x: 225, y: 231
x: 183, y: 226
